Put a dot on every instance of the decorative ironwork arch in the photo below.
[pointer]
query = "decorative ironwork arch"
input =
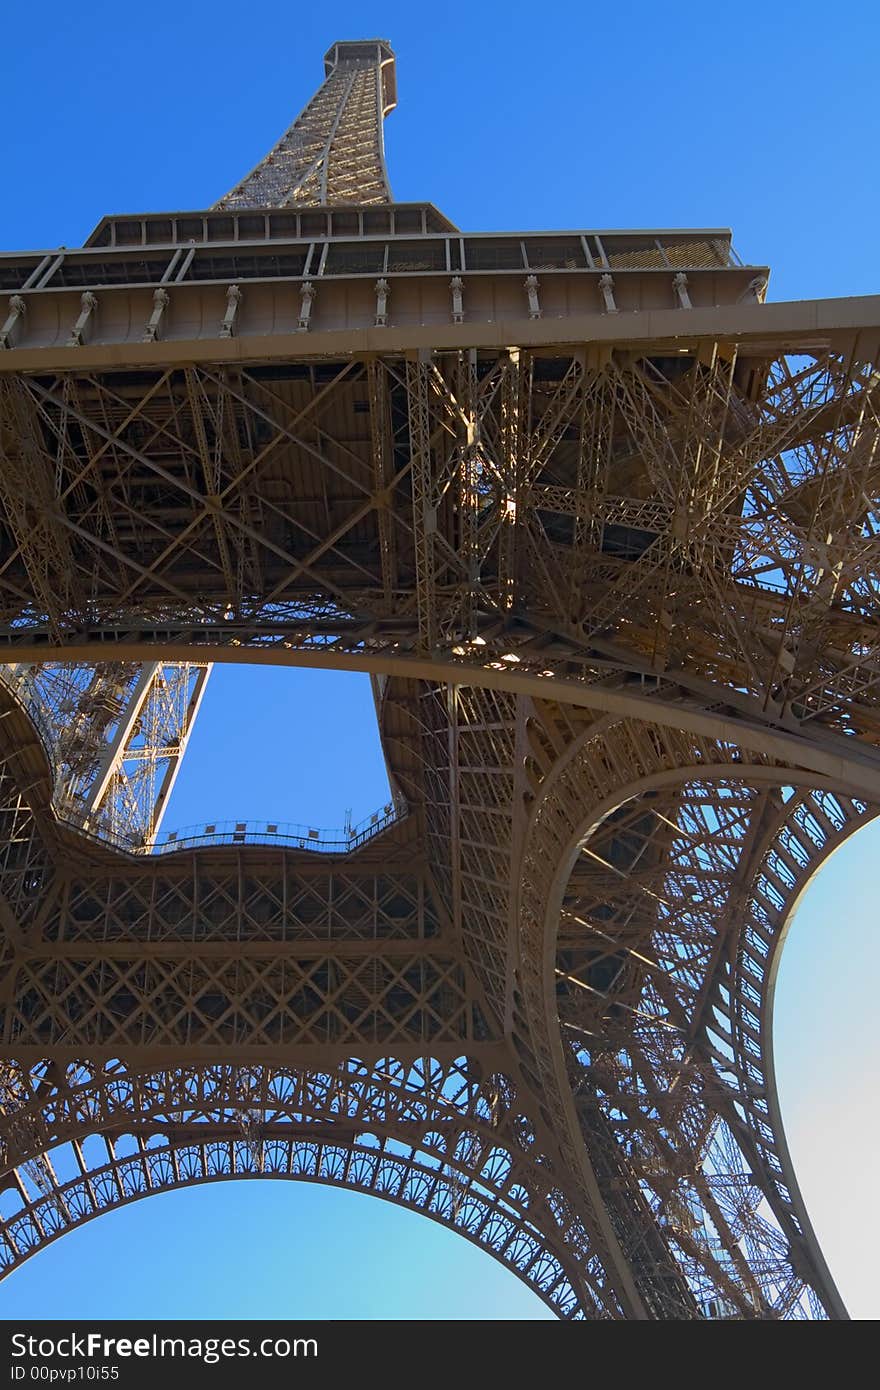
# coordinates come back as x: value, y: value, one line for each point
x: 646, y: 1005
x: 428, y: 1137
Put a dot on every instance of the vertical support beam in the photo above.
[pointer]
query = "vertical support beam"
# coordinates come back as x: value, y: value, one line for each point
x: 115, y: 749
x: 596, y: 433
x: 174, y: 760
x: 454, y: 804
x: 418, y: 375
x: 514, y: 472
x: 380, y: 435
x: 140, y: 763
x: 468, y: 491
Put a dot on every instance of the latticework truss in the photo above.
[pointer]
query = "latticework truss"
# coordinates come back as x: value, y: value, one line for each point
x: 602, y: 526
x: 334, y: 151
x: 118, y: 733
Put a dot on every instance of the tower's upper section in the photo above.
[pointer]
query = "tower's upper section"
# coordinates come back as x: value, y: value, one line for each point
x: 334, y: 152
x: 367, y: 52
x: 314, y: 221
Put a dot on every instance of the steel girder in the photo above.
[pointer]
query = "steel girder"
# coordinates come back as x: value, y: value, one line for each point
x: 728, y: 543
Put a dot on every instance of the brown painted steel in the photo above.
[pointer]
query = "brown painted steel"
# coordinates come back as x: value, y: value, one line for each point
x: 601, y: 524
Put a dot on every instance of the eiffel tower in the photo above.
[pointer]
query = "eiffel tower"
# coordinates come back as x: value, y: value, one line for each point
x: 602, y: 527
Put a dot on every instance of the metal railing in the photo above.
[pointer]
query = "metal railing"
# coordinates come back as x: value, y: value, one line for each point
x: 25, y: 695
x: 282, y: 833
x: 287, y: 834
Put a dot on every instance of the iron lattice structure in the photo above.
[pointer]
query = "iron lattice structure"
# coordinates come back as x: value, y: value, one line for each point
x: 602, y: 525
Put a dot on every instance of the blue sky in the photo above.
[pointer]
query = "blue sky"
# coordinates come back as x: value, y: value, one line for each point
x: 630, y: 116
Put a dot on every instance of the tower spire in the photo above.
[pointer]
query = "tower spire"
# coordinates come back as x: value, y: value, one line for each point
x: 334, y: 152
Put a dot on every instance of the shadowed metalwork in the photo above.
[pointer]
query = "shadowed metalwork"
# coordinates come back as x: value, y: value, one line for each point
x: 601, y: 525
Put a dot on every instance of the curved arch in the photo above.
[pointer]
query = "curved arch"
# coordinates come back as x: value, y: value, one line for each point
x: 623, y: 754
x: 659, y: 702
x: 773, y: 1153
x: 409, y: 1185
x: 820, y: 839
x: 425, y: 1136
x: 555, y: 1295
